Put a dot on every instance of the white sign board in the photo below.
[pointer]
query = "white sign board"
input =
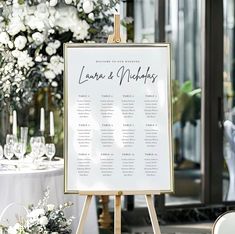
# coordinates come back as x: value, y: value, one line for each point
x: 117, y: 118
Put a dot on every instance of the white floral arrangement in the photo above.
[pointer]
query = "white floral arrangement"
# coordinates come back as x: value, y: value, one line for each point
x: 32, y: 33
x: 42, y: 219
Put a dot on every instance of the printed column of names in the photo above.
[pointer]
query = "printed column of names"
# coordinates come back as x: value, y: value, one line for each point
x: 107, y: 128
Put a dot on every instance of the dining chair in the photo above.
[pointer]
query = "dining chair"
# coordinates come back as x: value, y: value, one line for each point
x: 225, y: 224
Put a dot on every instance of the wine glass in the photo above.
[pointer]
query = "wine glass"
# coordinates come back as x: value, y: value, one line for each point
x: 11, y: 139
x: 50, y: 150
x: 8, y: 151
x: 24, y: 135
x: 19, y: 150
x: 37, y: 140
x: 1, y: 152
x: 37, y: 147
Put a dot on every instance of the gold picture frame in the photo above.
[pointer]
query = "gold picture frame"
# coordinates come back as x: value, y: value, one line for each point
x: 66, y: 93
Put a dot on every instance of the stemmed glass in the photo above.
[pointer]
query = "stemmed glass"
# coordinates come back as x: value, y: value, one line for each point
x: 11, y: 139
x: 50, y: 150
x: 8, y: 151
x: 19, y: 149
x: 37, y: 147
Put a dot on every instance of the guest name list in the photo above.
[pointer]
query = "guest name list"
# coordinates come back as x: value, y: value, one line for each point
x: 118, y: 119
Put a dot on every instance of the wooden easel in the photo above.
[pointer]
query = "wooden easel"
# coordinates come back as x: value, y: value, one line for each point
x: 116, y: 38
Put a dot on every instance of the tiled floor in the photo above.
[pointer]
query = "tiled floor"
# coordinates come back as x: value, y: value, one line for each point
x: 200, y: 228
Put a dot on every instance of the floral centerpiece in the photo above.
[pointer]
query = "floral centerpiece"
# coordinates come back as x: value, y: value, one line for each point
x: 32, y: 33
x: 44, y: 218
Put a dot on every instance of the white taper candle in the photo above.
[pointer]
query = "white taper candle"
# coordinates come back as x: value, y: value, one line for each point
x: 52, y: 127
x: 42, y: 120
x: 14, y: 125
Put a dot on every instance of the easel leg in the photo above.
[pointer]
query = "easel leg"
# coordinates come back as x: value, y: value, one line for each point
x: 117, y: 215
x: 152, y: 214
x: 84, y: 214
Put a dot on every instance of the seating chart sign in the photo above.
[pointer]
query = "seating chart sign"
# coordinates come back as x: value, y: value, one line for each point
x: 117, y: 118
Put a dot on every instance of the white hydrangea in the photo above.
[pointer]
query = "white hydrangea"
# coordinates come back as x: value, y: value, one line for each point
x: 80, y: 29
x: 20, y: 42
x: 23, y: 59
x: 56, y: 64
x: 50, y: 75
x: 36, y: 213
x: 15, y: 26
x: 15, y: 229
x: 43, y: 220
x: 7, y: 87
x: 42, y: 11
x: 50, y: 207
x: 106, y: 2
x: 108, y: 29
x: 65, y: 17
x: 35, y: 23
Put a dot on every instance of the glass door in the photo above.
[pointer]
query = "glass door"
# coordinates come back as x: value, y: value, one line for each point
x: 184, y: 20
x: 229, y: 103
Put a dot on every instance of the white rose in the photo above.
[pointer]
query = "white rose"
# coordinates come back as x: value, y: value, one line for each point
x: 55, y: 45
x: 50, y: 207
x: 88, y: 6
x: 38, y: 59
x: 54, y: 84
x: 50, y: 50
x: 53, y: 3
x: 4, y: 38
x: 43, y: 220
x: 15, y: 53
x: 91, y: 16
x: 38, y: 38
x: 50, y: 75
x: 68, y: 1
x: 20, y: 42
x: 10, y: 44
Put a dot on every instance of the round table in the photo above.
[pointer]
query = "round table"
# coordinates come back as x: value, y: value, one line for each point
x: 27, y: 186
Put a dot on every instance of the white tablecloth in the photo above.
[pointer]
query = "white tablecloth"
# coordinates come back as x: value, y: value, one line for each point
x: 27, y: 187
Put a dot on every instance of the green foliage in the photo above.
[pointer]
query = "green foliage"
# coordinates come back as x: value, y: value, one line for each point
x: 186, y: 103
x: 21, y: 2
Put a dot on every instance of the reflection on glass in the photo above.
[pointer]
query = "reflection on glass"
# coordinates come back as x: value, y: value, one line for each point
x: 183, y: 31
x: 144, y: 21
x: 229, y: 103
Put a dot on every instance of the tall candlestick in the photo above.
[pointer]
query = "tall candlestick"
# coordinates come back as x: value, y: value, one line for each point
x: 14, y: 126
x: 52, y: 128
x: 42, y: 120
